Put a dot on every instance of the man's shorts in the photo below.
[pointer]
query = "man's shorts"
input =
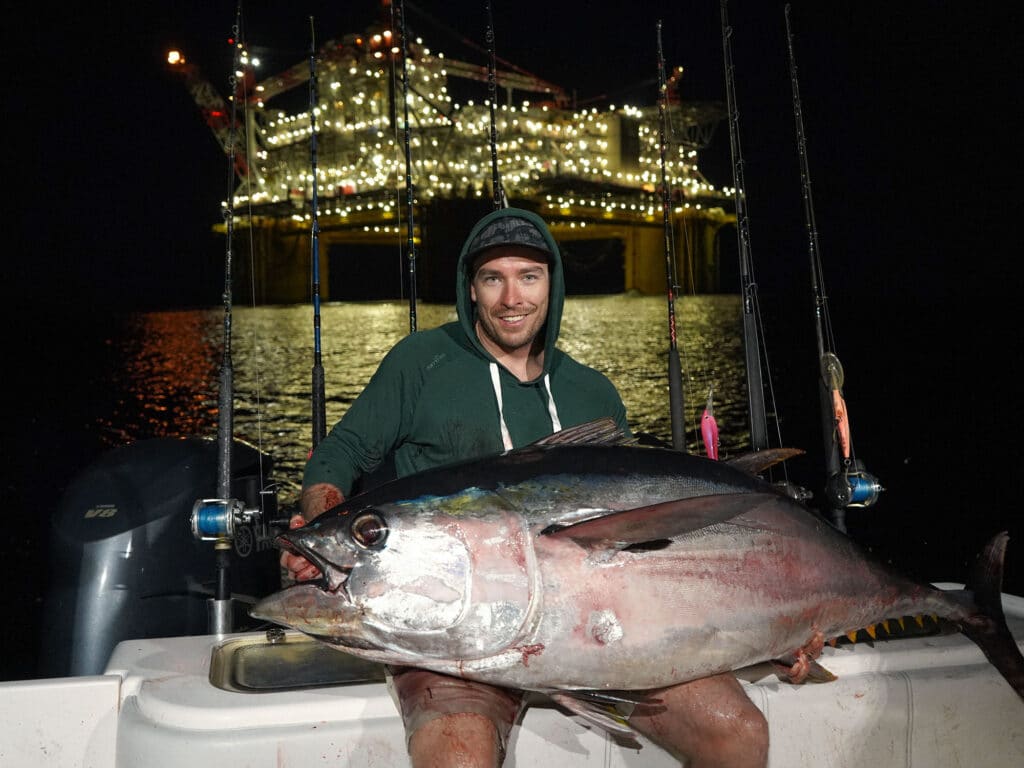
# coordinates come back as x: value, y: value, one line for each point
x: 423, y: 696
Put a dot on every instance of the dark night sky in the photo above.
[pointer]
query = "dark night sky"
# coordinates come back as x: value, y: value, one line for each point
x: 912, y: 114
x: 909, y: 111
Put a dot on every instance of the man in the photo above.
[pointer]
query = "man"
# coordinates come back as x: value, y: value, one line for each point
x: 492, y: 381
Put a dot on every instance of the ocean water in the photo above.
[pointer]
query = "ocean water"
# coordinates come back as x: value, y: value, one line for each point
x: 166, y: 380
x: 91, y: 382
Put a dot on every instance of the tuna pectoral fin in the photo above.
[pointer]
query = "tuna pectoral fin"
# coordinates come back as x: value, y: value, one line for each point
x: 605, y: 711
x: 987, y: 628
x: 661, y: 521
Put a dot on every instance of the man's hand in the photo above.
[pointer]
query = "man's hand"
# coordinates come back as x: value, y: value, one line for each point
x: 298, y: 567
x: 315, y: 499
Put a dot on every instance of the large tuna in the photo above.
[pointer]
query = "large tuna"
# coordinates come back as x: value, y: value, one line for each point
x: 566, y: 567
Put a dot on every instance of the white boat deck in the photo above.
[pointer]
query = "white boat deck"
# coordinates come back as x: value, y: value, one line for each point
x: 924, y: 701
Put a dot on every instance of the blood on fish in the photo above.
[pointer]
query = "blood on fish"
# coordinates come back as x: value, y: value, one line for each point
x: 530, y: 650
x: 514, y: 545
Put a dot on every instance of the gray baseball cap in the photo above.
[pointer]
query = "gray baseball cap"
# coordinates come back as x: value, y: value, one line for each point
x: 510, y: 230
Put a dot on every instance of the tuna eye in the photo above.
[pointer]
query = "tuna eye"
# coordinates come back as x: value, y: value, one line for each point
x: 369, y: 530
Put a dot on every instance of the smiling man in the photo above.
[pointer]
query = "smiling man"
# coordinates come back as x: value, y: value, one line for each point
x: 510, y: 290
x: 492, y: 381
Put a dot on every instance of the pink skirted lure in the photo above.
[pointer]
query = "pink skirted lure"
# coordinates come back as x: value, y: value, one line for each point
x: 709, y: 431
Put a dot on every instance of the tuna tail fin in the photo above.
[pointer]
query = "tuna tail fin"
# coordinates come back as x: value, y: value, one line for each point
x: 987, y: 628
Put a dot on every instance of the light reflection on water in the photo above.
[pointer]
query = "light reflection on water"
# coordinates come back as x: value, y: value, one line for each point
x: 168, y: 381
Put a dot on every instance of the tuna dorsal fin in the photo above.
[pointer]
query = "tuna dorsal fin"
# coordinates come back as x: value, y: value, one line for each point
x: 756, y: 462
x: 603, y: 431
x: 662, y: 520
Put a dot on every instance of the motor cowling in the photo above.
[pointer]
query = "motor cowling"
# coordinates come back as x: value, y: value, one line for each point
x: 124, y: 563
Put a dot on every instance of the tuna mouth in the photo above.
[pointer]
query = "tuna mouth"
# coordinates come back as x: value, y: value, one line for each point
x: 332, y: 576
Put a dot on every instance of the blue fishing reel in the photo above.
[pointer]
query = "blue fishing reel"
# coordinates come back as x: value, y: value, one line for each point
x: 220, y: 519
x: 853, y: 487
x: 229, y: 525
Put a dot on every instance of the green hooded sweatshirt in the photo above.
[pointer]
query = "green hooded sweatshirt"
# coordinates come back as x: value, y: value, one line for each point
x: 432, y: 400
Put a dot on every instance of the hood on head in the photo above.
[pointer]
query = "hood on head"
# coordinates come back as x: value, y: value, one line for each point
x: 501, y: 227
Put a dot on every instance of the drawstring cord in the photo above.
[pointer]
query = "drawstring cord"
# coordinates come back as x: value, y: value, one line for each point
x: 506, y: 438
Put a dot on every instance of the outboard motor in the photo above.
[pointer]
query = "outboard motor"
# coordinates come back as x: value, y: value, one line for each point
x: 125, y: 563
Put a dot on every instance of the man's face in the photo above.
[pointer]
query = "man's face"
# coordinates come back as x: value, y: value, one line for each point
x: 510, y: 288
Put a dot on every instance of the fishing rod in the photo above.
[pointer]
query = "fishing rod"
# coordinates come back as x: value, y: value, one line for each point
x: 500, y: 201
x: 751, y: 307
x: 225, y: 396
x: 848, y: 483
x: 675, y: 376
x: 319, y: 394
x: 220, y: 610
x: 398, y: 7
x: 217, y: 519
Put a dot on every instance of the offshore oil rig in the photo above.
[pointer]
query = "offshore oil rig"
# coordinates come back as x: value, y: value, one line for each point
x: 593, y: 174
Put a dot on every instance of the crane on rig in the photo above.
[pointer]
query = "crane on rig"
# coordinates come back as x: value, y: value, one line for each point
x: 215, y: 110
